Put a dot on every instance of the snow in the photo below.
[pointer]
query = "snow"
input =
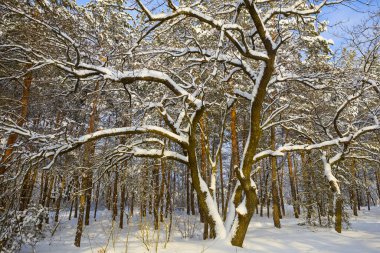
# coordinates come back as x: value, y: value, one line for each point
x: 242, y: 209
x: 213, y: 210
x: 362, y: 236
x: 328, y: 174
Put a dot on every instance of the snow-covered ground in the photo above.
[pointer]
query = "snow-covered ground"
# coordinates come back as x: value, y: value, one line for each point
x: 100, y: 237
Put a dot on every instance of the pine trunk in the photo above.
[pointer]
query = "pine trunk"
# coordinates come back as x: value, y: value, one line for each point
x: 275, y: 199
x: 12, y: 138
x: 115, y: 196
x: 293, y: 186
x: 59, y: 199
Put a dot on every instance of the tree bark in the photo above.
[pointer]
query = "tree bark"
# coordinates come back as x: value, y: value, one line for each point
x: 89, y: 151
x: 12, y: 138
x: 59, y: 200
x: 162, y: 190
x: 82, y: 202
x: 168, y: 192
x: 122, y: 205
x: 354, y: 201
x: 338, y: 213
x: 293, y: 186
x: 221, y: 181
x: 48, y: 196
x: 115, y: 195
x: 27, y: 188
x: 367, y: 189
x: 96, y: 200
x: 156, y: 187
x: 306, y: 187
x: 377, y: 174
x: 275, y: 199
x: 280, y: 178
x: 205, y: 176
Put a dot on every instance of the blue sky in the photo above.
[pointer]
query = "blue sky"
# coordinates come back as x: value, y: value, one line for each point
x: 338, y: 16
x: 346, y: 16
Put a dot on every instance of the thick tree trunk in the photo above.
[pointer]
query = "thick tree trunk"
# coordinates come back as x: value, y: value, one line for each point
x: 27, y: 188
x: 338, y: 213
x: 22, y: 119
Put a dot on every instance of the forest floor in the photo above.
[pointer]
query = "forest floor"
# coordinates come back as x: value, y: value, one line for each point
x: 363, y: 235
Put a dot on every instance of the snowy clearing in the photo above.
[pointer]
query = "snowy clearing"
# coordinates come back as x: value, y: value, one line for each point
x: 362, y: 236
